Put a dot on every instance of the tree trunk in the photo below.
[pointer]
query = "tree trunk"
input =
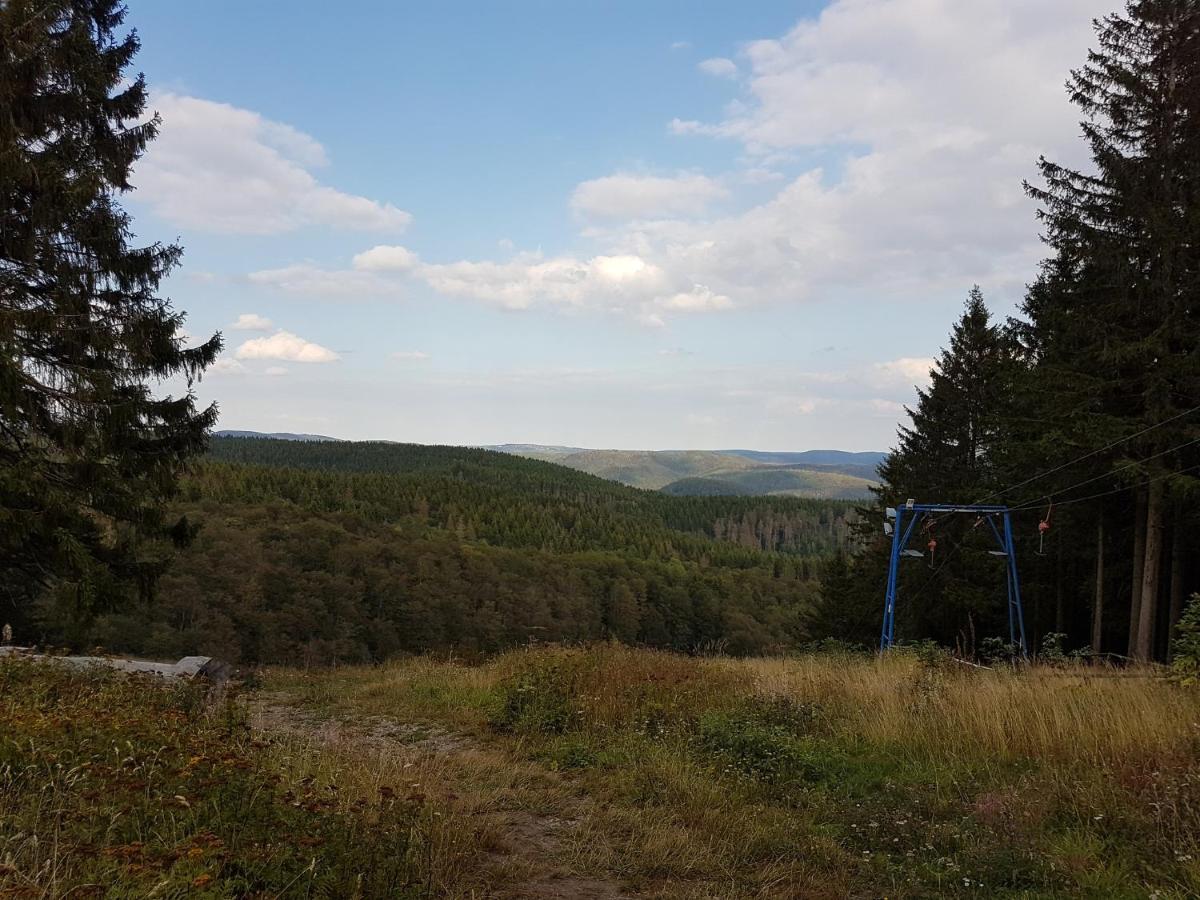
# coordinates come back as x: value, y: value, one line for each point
x: 1139, y: 558
x: 1098, y: 604
x: 1150, y: 573
x: 1178, y: 574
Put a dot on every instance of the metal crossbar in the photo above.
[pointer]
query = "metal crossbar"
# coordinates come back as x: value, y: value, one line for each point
x: 906, y: 519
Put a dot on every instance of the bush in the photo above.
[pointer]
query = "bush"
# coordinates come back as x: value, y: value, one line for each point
x: 537, y: 700
x: 1185, y: 648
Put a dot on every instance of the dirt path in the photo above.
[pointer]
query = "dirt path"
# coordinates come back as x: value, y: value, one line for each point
x: 523, y: 850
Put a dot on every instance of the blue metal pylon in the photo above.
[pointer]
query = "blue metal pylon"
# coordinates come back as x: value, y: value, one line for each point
x: 906, y: 519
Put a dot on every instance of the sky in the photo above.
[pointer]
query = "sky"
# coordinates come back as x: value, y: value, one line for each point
x: 642, y: 225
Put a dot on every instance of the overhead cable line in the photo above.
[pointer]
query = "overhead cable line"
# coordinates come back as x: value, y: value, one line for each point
x: 1103, y: 475
x: 1090, y: 454
x: 1124, y: 487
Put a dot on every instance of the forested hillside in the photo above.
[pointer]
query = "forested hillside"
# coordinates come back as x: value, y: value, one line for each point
x: 826, y: 474
x: 325, y: 552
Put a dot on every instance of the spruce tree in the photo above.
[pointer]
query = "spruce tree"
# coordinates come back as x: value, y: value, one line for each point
x: 90, y: 449
x: 1114, y: 323
x: 952, y: 451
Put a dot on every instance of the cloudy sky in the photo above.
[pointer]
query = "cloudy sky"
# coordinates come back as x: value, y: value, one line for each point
x: 686, y: 224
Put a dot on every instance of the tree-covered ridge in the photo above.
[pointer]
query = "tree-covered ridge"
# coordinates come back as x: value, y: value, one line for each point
x: 327, y: 553
x: 278, y: 583
x: 510, y: 501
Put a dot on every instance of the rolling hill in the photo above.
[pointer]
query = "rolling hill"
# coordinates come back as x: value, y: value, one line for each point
x: 833, y: 474
x: 773, y: 481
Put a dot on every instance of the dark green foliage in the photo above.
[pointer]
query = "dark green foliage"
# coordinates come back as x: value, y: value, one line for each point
x: 518, y: 502
x: 1185, y: 649
x: 537, y: 700
x: 88, y: 453
x: 1112, y: 324
x: 419, y: 548
x: 953, y: 452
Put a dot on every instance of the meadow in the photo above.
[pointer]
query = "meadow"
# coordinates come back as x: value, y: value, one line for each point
x: 604, y: 771
x: 822, y: 775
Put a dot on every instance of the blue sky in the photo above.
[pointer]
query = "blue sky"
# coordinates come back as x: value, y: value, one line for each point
x: 650, y: 225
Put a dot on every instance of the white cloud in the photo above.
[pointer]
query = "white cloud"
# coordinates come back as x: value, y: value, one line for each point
x: 625, y: 196
x: 216, y: 167
x: 719, y: 66
x: 283, y: 345
x: 386, y: 258
x: 697, y: 299
x: 528, y: 279
x: 225, y: 365
x: 680, y: 45
x: 926, y: 134
x: 251, y: 322
x: 906, y: 371
x: 306, y: 278
x: 411, y: 355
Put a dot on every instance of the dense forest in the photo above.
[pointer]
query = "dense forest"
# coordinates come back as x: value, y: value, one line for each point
x: 1082, y: 413
x: 339, y: 552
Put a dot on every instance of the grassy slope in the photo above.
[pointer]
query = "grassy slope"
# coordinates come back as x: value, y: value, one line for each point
x: 825, y: 776
x: 118, y: 786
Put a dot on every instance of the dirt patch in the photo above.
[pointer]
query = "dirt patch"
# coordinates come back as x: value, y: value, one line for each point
x: 525, y: 847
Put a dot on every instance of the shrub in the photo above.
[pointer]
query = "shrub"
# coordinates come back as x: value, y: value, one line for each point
x: 1185, y: 648
x: 536, y: 700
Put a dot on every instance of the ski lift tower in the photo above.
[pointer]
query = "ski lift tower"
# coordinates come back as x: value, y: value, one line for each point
x: 900, y: 524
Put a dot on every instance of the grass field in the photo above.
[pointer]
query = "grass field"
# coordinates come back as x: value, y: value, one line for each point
x: 604, y: 772
x: 818, y: 776
x: 121, y: 786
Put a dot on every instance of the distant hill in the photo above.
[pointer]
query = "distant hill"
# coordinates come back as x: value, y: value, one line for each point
x: 651, y: 469
x: 824, y: 474
x: 835, y: 459
x: 774, y: 481
x: 274, y: 435
x: 832, y: 474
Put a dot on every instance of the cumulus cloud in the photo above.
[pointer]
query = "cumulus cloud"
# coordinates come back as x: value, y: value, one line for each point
x: 386, y: 258
x: 624, y: 196
x: 925, y: 133
x: 529, y: 279
x: 251, y: 322
x: 224, y: 365
x: 306, y: 278
x: 719, y: 66
x: 944, y: 128
x: 907, y: 371
x: 220, y: 168
x: 283, y: 345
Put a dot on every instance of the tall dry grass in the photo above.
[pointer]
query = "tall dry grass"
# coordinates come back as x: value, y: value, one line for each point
x: 1094, y: 716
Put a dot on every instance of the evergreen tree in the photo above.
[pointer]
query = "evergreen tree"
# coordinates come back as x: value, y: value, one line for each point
x: 952, y: 452
x: 1113, y: 322
x: 88, y: 452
